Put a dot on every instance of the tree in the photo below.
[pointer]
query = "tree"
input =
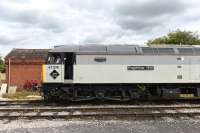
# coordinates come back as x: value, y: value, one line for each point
x: 177, y: 37
x: 2, y: 65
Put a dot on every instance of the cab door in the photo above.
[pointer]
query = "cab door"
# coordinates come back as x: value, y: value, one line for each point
x: 69, y: 60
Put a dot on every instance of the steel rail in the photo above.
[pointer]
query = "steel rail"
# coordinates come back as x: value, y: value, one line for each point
x: 91, y: 107
x: 65, y: 108
x: 98, y: 112
x: 106, y: 114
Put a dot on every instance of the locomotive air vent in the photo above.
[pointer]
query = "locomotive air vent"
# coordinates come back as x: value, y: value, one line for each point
x: 179, y: 66
x: 180, y: 58
x: 179, y: 76
x: 100, y: 59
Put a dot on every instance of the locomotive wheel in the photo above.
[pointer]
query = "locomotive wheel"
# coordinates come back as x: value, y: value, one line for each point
x: 47, y: 97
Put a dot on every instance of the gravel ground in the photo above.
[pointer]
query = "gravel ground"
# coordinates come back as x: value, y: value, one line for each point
x: 166, y: 125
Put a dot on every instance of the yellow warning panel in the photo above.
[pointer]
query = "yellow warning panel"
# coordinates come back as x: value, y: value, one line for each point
x: 44, y: 73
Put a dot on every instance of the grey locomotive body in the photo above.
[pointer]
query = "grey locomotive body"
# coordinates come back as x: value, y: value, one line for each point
x: 121, y: 72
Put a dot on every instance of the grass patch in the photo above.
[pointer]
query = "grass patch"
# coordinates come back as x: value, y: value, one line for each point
x: 23, y: 94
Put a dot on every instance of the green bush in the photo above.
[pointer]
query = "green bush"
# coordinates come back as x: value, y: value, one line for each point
x: 177, y: 37
x: 2, y: 65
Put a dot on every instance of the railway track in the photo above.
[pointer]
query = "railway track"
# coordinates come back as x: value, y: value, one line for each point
x: 142, y: 102
x: 21, y: 102
x: 99, y: 111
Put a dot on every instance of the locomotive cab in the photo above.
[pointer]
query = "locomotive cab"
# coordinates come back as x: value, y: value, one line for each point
x: 58, y: 68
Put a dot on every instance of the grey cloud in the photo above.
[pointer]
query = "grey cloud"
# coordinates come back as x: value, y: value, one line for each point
x: 14, y: 15
x: 10, y: 40
x: 28, y: 17
x: 139, y: 16
x: 138, y: 24
x: 52, y: 23
x: 31, y: 18
x: 151, y: 8
x: 93, y: 40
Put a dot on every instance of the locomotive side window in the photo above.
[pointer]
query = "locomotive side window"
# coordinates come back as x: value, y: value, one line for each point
x: 54, y: 59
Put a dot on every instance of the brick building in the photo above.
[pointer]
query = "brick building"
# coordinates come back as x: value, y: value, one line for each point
x: 24, y: 65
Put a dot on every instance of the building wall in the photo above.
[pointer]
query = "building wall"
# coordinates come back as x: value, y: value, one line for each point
x: 22, y: 72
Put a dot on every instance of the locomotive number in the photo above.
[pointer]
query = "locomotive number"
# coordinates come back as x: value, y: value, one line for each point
x: 140, y: 67
x: 53, y: 67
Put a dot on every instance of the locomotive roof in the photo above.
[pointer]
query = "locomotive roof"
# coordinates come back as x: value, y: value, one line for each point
x: 129, y: 49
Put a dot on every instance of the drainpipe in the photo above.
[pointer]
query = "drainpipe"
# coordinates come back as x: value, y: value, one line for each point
x: 9, y: 73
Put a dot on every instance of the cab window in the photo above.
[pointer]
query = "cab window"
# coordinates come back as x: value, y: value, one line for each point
x: 54, y: 59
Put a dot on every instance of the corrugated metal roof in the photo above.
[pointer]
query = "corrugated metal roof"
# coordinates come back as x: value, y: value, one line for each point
x: 129, y: 49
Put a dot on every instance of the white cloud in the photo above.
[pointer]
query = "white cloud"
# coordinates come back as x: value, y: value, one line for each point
x: 44, y: 23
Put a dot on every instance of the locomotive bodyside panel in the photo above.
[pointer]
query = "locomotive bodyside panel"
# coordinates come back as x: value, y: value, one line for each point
x: 119, y: 74
x: 136, y: 69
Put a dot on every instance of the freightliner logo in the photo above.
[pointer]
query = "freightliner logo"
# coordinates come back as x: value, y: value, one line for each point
x: 54, y: 74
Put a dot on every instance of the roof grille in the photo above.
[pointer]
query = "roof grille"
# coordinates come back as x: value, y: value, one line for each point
x: 197, y: 51
x: 186, y: 51
x: 119, y: 49
x: 163, y: 51
x: 96, y: 48
x: 148, y: 50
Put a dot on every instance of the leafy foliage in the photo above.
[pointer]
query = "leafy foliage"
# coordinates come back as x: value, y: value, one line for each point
x: 2, y: 65
x: 177, y: 37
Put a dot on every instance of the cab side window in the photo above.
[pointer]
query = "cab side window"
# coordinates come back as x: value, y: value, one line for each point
x: 54, y: 59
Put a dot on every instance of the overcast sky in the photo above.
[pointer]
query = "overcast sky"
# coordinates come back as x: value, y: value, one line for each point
x: 45, y: 23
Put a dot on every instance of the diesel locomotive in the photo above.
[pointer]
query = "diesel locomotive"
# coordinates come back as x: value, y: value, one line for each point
x: 121, y: 72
